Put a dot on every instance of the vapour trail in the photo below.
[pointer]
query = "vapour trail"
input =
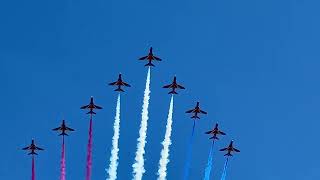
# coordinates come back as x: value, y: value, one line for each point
x: 112, y: 171
x: 224, y: 173
x: 89, y: 151
x: 138, y: 166
x: 209, y: 164
x: 164, y: 160
x: 33, y: 174
x: 63, y: 162
x: 189, y: 154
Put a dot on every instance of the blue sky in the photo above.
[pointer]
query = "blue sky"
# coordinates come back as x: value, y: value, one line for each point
x: 253, y: 65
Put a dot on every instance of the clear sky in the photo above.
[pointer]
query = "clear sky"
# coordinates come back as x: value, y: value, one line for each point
x: 253, y: 65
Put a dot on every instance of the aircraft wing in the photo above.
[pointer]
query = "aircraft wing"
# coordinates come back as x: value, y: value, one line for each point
x: 39, y: 148
x: 126, y: 84
x: 26, y: 148
x: 203, y: 112
x: 143, y: 58
x: 236, y: 150
x: 181, y: 87
x: 69, y: 129
x: 84, y: 107
x: 113, y: 83
x: 156, y: 58
x: 223, y: 149
x: 222, y: 133
x: 167, y: 86
x: 208, y: 132
x: 190, y: 111
x: 56, y: 129
x: 97, y: 107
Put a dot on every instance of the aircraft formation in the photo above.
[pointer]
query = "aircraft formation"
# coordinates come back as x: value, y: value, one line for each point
x: 63, y: 129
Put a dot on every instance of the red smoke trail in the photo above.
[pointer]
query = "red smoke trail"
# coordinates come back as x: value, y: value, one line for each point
x: 63, y: 162
x: 33, y: 174
x: 89, y: 152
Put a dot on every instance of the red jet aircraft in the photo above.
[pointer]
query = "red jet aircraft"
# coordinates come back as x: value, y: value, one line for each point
x: 196, y: 111
x: 174, y: 85
x: 230, y: 149
x: 63, y: 128
x: 150, y: 57
x: 215, y: 131
x: 91, y: 106
x: 32, y: 148
x: 119, y: 83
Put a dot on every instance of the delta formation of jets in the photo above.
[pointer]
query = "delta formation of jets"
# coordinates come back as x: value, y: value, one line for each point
x: 119, y: 83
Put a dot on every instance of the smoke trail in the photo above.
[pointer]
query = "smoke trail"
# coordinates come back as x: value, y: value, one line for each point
x: 138, y: 166
x: 189, y: 154
x: 224, y: 174
x: 33, y: 174
x: 209, y: 164
x: 63, y: 162
x: 89, y: 151
x: 164, y: 160
x: 112, y: 171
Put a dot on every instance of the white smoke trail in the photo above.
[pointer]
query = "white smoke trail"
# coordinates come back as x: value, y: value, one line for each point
x: 164, y: 160
x: 138, y: 166
x: 112, y: 171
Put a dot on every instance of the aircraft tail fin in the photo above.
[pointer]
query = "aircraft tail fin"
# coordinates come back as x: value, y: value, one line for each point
x: 119, y: 89
x: 172, y: 92
x: 228, y: 154
x: 149, y: 64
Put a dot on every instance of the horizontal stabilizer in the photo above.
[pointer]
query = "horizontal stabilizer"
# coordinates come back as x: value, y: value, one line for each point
x: 149, y: 64
x: 91, y: 112
x: 195, y: 117
x: 214, y: 137
x: 119, y: 89
x: 172, y: 92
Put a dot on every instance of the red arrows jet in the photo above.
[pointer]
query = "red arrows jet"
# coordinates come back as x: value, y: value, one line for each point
x: 63, y: 128
x: 32, y: 148
x: 174, y: 85
x: 230, y: 149
x: 215, y: 131
x: 196, y: 111
x: 91, y: 106
x: 119, y: 83
x: 150, y: 57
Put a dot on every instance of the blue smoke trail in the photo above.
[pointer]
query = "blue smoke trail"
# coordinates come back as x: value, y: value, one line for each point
x: 189, y: 153
x: 224, y: 174
x: 209, y: 164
